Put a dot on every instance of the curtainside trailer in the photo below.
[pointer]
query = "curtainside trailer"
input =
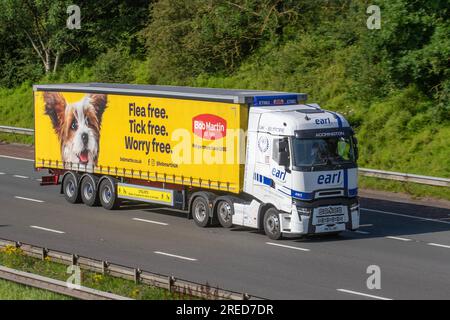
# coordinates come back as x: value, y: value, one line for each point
x: 262, y: 159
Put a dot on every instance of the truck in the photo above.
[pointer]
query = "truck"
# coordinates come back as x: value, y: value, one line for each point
x: 260, y: 159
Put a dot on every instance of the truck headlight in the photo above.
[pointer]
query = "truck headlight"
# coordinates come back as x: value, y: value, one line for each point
x: 354, y: 207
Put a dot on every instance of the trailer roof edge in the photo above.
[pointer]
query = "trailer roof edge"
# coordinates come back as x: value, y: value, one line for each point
x: 191, y: 93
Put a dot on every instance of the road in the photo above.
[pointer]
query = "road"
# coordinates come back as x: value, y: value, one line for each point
x: 409, y: 242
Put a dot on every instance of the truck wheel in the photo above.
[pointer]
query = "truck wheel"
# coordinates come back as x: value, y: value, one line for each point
x: 272, y: 226
x: 70, y: 189
x: 89, y: 193
x: 108, y: 195
x: 200, y: 212
x: 224, y: 213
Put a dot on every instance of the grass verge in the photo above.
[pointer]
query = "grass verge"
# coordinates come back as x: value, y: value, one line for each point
x: 16, y: 138
x: 415, y: 190
x: 14, y: 291
x: 15, y: 258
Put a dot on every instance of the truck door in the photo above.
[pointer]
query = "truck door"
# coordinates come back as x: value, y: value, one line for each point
x: 280, y: 165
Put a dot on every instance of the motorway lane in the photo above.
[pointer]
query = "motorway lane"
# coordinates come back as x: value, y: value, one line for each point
x: 239, y: 258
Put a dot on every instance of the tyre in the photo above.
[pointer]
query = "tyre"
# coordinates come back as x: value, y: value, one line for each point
x: 272, y: 225
x: 70, y: 189
x: 200, y: 212
x: 88, y: 190
x: 107, y: 194
x: 224, y: 213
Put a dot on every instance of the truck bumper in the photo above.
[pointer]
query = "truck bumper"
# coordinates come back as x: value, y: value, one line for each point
x: 297, y: 224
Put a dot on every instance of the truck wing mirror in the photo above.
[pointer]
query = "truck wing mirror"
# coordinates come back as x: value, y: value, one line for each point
x: 281, y: 152
x: 355, y: 142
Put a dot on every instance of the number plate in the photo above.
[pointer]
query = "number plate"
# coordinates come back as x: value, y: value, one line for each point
x: 330, y: 220
x: 328, y: 211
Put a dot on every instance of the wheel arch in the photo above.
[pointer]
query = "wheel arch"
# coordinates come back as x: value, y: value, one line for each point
x: 261, y: 212
x: 208, y: 196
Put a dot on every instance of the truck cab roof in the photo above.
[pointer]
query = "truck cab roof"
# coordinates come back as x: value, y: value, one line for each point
x: 287, y: 120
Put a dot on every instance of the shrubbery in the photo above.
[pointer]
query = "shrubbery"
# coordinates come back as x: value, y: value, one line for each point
x: 393, y: 83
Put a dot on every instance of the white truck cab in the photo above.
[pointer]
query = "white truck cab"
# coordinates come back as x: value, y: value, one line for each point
x: 300, y: 169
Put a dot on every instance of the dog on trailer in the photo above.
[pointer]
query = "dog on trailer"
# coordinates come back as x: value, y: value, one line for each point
x: 77, y: 125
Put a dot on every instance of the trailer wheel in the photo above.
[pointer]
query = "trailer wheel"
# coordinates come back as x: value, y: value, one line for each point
x: 200, y: 212
x: 107, y: 194
x: 272, y: 226
x: 89, y: 193
x: 224, y: 213
x: 70, y: 189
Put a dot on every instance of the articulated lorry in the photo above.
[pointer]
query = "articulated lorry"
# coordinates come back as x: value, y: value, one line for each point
x: 260, y: 159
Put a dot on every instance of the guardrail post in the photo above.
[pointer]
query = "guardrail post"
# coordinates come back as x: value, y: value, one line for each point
x: 18, y: 244
x: 74, y: 259
x: 137, y: 275
x: 44, y: 253
x: 170, y: 283
x: 245, y: 296
x: 105, y: 265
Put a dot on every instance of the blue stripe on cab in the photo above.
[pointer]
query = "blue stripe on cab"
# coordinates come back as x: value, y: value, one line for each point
x: 338, y: 118
x: 302, y: 195
x: 353, y: 192
x: 345, y: 179
x: 293, y: 193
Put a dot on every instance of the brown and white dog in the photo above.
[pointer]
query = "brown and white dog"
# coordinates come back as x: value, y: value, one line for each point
x: 77, y: 126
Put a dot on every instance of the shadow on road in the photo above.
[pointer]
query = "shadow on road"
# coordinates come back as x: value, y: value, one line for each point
x: 391, y: 218
x: 399, y: 219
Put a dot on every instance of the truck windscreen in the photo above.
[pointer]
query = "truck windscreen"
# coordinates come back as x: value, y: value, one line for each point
x: 330, y: 151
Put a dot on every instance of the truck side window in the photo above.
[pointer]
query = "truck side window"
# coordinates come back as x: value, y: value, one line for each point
x: 280, y: 146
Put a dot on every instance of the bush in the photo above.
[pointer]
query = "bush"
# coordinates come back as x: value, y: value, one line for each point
x: 113, y: 66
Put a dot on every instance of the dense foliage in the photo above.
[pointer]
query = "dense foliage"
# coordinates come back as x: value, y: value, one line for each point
x: 392, y: 83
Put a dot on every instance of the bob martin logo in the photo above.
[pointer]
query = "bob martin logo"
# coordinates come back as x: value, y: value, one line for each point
x: 209, y: 126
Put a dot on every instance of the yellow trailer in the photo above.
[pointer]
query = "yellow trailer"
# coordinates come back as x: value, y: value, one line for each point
x: 193, y: 138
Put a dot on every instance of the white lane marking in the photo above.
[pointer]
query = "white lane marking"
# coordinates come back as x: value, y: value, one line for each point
x: 40, y: 180
x: 398, y: 238
x: 15, y: 158
x: 151, y: 221
x: 2, y: 173
x: 19, y: 176
x: 175, y: 256
x: 285, y: 246
x: 28, y: 199
x: 405, y: 215
x: 438, y: 245
x: 366, y: 225
x: 363, y: 294
x: 47, y: 229
x: 361, y: 232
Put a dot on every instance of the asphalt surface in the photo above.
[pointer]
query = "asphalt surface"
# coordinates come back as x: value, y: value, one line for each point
x: 410, y: 243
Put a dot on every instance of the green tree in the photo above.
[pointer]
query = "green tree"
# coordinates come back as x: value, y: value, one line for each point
x: 191, y: 37
x: 413, y: 45
x: 34, y: 32
x: 42, y: 22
